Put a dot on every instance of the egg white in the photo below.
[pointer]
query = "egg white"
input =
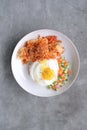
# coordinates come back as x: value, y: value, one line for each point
x: 36, y: 71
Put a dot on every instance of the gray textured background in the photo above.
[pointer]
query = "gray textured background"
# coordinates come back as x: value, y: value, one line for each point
x: 20, y: 110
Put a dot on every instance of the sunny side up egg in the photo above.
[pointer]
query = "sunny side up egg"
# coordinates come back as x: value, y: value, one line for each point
x: 44, y: 72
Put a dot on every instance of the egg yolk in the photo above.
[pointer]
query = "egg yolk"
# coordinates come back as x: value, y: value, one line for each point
x: 48, y: 74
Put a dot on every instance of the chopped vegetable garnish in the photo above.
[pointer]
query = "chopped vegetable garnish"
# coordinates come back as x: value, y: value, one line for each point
x: 54, y: 87
x: 63, y: 74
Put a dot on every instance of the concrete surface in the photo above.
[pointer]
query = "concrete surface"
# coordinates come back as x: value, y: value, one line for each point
x: 20, y: 110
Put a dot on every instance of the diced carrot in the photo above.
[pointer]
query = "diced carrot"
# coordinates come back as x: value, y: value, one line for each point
x: 63, y: 76
x: 60, y: 70
x: 69, y: 72
x: 60, y: 81
x: 60, y: 60
x: 65, y: 63
x: 54, y: 87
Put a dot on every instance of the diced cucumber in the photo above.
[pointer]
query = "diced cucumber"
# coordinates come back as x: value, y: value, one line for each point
x: 55, y: 82
x: 59, y: 78
x: 65, y: 71
x: 62, y: 64
x: 49, y: 86
x: 65, y: 82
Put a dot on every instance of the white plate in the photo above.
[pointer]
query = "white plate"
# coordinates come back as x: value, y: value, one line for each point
x: 20, y: 71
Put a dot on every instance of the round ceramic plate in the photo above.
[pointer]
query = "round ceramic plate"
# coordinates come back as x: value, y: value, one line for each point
x: 21, y: 73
